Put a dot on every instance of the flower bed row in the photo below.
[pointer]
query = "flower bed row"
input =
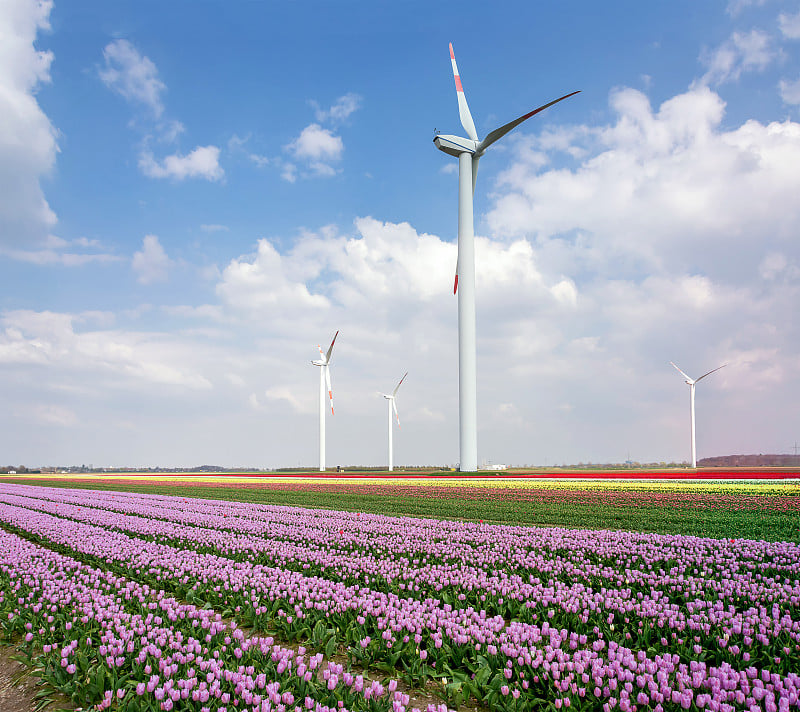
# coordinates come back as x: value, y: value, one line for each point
x: 477, y: 655
x: 108, y: 641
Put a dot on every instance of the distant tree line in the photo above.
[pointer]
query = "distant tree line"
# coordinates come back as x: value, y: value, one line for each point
x: 750, y: 461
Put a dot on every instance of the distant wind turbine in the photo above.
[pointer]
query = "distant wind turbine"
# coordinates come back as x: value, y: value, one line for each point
x: 468, y: 151
x: 692, y: 383
x: 324, y: 384
x: 391, y: 405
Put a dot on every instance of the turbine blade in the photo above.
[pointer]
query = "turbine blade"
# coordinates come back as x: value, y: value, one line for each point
x: 328, y: 383
x: 455, y: 284
x: 330, y: 348
x: 710, y: 372
x: 681, y: 372
x: 463, y: 109
x: 503, y: 130
x: 396, y: 414
x: 475, y: 160
x: 394, y: 392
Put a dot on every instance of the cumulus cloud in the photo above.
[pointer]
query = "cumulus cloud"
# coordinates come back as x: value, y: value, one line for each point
x: 317, y: 143
x: 132, y: 76
x: 55, y: 339
x: 265, y: 283
x: 203, y: 162
x: 135, y: 77
x: 318, y: 148
x: 544, y: 324
x: 57, y: 251
x: 151, y: 263
x: 735, y: 7
x: 790, y: 25
x: 27, y: 138
x: 288, y: 396
x: 742, y: 52
x: 790, y: 91
x: 653, y: 186
x: 669, y: 225
x: 341, y: 109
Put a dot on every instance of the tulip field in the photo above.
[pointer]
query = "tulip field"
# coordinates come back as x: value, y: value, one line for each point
x: 141, y: 602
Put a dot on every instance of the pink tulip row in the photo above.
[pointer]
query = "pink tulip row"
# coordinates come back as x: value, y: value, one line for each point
x: 704, y: 619
x: 149, y: 646
x: 521, y: 648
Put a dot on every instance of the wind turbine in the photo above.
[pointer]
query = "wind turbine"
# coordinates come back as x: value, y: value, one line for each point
x: 469, y: 151
x: 692, y: 383
x: 324, y: 384
x: 391, y: 405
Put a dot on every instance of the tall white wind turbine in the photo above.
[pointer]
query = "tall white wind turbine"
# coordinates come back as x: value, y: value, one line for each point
x: 692, y: 383
x: 324, y: 384
x: 469, y: 151
x: 391, y: 405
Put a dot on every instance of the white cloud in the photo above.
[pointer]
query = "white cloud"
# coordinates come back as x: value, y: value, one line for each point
x: 67, y: 259
x: 742, y: 52
x: 298, y: 405
x: 545, y: 326
x: 777, y: 265
x: 237, y: 144
x: 124, y: 359
x: 55, y: 250
x: 259, y: 160
x: 790, y: 25
x: 86, y: 242
x: 135, y: 77
x: 315, y: 142
x: 264, y: 283
x: 27, y: 138
x: 132, y: 76
x: 652, y: 189
x: 737, y: 6
x: 341, y: 109
x: 205, y: 311
x: 214, y: 228
x: 169, y: 131
x: 289, y: 172
x: 203, y: 162
x: 318, y: 147
x: 151, y: 264
x: 790, y: 91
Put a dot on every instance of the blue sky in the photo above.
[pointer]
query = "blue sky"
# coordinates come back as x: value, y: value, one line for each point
x: 197, y: 194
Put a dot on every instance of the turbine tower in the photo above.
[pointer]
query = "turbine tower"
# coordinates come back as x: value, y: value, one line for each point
x: 324, y: 384
x: 692, y: 383
x: 391, y: 405
x: 468, y: 151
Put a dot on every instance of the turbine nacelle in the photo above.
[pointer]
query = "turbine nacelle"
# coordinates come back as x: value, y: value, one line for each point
x: 455, y: 145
